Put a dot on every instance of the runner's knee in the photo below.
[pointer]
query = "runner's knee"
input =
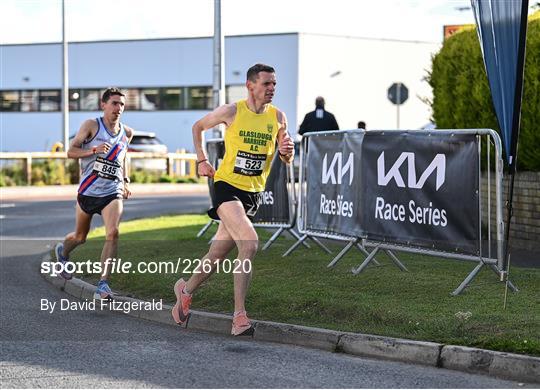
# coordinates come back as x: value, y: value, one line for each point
x: 79, y: 238
x: 249, y: 247
x: 113, y: 234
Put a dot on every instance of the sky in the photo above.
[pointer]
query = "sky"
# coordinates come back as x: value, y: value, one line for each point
x: 33, y: 21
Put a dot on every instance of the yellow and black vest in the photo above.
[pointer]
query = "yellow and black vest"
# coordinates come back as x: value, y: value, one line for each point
x: 250, y: 144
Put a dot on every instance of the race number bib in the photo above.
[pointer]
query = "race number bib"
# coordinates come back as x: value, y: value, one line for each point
x: 107, y: 169
x: 248, y: 164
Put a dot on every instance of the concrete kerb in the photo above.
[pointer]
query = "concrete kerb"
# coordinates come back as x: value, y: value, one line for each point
x: 297, y: 335
x: 499, y: 364
x: 409, y: 351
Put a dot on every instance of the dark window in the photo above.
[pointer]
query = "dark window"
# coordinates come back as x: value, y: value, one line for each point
x: 74, y: 99
x: 145, y: 140
x: 145, y: 99
x: 172, y: 99
x: 133, y: 98
x: 9, y: 101
x: 199, y: 98
x: 234, y: 93
x: 150, y: 99
x: 49, y: 100
x: 89, y: 100
x: 29, y: 100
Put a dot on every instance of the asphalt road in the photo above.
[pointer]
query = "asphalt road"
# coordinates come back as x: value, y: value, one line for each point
x: 96, y: 350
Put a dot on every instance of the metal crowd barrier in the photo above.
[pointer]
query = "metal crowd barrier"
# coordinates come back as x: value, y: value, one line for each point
x: 289, y: 226
x: 490, y: 222
x: 215, y: 150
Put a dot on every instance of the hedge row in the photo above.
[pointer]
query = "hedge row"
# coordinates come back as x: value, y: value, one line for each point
x: 462, y: 98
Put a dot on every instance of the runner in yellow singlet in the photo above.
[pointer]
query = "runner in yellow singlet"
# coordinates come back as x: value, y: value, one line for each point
x: 252, y: 128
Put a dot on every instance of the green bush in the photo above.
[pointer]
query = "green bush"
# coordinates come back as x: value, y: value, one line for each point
x: 462, y: 98
x: 140, y: 176
x: 44, y: 172
x: 189, y: 180
x: 50, y: 172
x: 12, y: 175
x: 166, y: 179
x: 54, y: 172
x: 156, y: 177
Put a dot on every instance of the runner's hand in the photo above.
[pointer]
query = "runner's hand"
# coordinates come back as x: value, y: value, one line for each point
x: 206, y: 169
x: 127, y: 192
x: 286, y: 147
x: 103, y: 148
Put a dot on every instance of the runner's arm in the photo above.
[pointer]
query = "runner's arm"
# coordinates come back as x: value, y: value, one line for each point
x: 88, y: 130
x: 223, y: 114
x: 129, y: 134
x: 127, y: 192
x: 285, y: 143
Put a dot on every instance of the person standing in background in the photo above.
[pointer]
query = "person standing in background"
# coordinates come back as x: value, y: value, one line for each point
x: 319, y: 119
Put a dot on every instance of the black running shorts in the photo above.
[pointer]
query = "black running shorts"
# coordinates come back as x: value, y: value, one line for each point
x: 224, y: 192
x: 93, y: 204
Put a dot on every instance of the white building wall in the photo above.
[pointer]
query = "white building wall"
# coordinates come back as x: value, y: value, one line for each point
x: 304, y: 64
x: 148, y: 63
x: 367, y: 69
x: 30, y: 66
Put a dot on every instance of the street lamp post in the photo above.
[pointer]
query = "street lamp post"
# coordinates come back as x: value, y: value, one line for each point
x: 65, y: 85
x: 219, y: 61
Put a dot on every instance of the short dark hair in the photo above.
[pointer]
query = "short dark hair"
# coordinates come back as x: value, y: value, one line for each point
x: 254, y: 71
x: 111, y: 91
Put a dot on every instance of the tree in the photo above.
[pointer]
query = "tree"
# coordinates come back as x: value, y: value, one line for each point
x: 462, y: 98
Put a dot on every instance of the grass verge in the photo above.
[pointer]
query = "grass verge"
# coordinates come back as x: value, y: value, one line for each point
x: 301, y: 290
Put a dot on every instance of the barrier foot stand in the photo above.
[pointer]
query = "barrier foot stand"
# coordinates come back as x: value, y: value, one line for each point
x: 295, y: 234
x: 323, y: 247
x: 396, y: 260
x: 511, y: 285
x: 366, y: 253
x: 295, y: 245
x: 365, y: 263
x: 342, y: 253
x: 205, y: 228
x: 468, y: 279
x: 273, y: 238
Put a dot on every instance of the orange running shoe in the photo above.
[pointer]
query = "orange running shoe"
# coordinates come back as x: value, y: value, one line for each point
x: 180, y: 311
x: 241, y: 326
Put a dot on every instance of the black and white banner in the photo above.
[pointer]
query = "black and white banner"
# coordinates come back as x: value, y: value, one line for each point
x: 215, y: 149
x: 411, y: 188
x: 334, y: 193
x: 421, y: 189
x: 274, y: 207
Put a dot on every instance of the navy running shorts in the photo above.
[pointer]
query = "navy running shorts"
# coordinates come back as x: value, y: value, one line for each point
x: 93, y: 204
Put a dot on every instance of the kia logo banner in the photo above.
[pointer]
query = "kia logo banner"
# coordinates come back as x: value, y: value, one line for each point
x: 421, y: 189
x: 274, y: 206
x: 333, y: 194
x: 409, y: 188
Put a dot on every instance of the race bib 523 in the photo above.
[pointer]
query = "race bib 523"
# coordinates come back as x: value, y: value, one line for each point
x: 249, y: 164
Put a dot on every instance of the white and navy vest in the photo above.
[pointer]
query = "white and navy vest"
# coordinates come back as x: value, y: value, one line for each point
x: 103, y: 174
